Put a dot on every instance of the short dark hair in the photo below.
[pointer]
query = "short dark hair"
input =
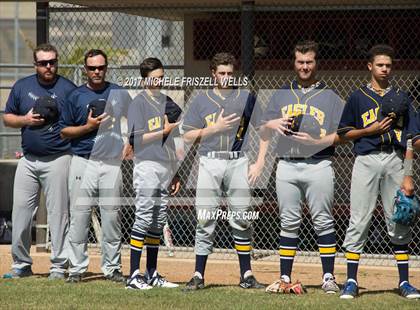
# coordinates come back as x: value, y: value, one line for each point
x: 45, y: 47
x: 222, y: 59
x: 148, y: 65
x: 380, y: 49
x: 95, y: 52
x: 306, y: 46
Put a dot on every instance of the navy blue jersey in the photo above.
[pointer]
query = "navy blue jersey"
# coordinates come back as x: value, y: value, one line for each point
x: 40, y: 140
x: 106, y: 142
x: 361, y: 111
x: 146, y: 115
x: 206, y: 108
x: 321, y: 102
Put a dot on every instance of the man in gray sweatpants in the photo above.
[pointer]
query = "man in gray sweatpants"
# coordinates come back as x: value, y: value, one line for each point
x: 379, y: 143
x: 152, y: 122
x: 91, y: 119
x: 45, y: 162
x: 219, y: 120
x: 304, y: 170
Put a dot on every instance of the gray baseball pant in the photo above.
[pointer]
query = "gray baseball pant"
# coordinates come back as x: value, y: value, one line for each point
x: 94, y: 182
x: 32, y: 173
x: 215, y: 176
x: 310, y: 179
x: 151, y: 180
x: 378, y: 172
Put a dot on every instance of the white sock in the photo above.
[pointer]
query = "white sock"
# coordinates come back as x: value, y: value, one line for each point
x: 247, y: 273
x: 197, y: 274
x: 327, y: 276
x: 352, y: 280
x: 285, y: 278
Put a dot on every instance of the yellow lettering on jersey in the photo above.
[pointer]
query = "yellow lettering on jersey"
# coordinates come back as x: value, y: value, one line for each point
x: 287, y: 110
x: 210, y: 119
x: 318, y: 114
x: 369, y: 116
x: 398, y: 134
x: 293, y: 109
x: 299, y: 109
x: 323, y: 133
x: 154, y: 123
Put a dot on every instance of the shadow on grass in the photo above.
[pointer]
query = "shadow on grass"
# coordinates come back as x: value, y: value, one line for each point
x: 206, y: 288
x: 379, y: 292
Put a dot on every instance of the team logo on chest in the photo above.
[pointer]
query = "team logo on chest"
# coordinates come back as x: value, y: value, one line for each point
x: 33, y: 96
x: 369, y: 116
x: 297, y: 109
x: 210, y: 119
x: 154, y: 123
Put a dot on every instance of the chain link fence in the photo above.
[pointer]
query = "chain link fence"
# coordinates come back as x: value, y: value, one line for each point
x: 186, y: 37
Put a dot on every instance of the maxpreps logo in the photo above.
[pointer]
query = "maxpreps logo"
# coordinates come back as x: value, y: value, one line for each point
x: 227, y: 215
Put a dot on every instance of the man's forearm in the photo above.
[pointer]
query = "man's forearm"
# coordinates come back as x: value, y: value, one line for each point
x: 73, y: 132
x: 198, y: 134
x: 265, y: 137
x: 152, y: 136
x: 328, y: 140
x: 355, y: 134
x: 14, y: 121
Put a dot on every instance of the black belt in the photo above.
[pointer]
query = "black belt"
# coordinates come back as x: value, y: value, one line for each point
x: 89, y: 156
x: 389, y: 149
x: 85, y: 156
x: 225, y: 155
x: 286, y: 157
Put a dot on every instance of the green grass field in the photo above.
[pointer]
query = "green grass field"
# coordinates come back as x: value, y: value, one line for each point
x: 39, y: 293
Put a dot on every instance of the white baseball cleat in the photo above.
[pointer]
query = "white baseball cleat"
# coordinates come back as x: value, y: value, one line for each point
x: 157, y: 280
x: 136, y: 282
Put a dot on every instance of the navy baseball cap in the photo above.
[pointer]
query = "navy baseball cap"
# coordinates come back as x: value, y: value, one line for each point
x: 47, y: 108
x: 99, y: 106
x: 173, y: 111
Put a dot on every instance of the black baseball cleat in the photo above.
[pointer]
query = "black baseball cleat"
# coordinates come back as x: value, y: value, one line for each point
x: 250, y: 282
x: 116, y: 276
x: 196, y: 283
x: 74, y: 278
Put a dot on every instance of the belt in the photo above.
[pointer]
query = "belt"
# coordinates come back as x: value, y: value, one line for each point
x: 85, y: 156
x: 89, y: 156
x: 389, y: 149
x: 225, y: 155
x: 292, y: 158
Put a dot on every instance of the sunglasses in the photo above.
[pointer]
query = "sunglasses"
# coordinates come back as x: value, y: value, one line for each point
x: 93, y: 68
x: 44, y: 63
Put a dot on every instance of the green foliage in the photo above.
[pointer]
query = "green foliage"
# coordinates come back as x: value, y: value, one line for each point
x: 76, y: 56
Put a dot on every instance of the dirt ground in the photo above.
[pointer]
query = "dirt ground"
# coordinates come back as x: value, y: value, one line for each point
x: 226, y: 272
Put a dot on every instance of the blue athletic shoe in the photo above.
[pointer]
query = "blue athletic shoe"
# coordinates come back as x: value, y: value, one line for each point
x: 17, y: 273
x: 408, y: 291
x: 350, y: 290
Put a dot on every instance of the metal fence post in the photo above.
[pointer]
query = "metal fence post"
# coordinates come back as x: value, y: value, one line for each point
x: 247, y: 38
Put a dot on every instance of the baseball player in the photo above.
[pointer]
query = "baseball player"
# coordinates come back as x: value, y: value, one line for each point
x: 218, y: 118
x: 304, y: 168
x: 91, y: 119
x: 155, y: 165
x: 45, y: 162
x: 378, y: 145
